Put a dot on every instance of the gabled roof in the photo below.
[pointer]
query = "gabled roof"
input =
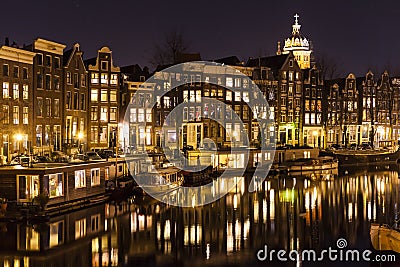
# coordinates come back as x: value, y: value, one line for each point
x: 134, y: 72
x: 231, y: 60
x: 273, y: 62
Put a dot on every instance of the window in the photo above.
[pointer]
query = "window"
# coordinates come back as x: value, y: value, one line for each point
x: 56, y: 62
x: 48, y: 81
x: 229, y: 81
x: 48, y: 107
x: 76, y: 80
x: 104, y: 114
x: 104, y: 65
x: 6, y: 90
x: 76, y: 100
x: 16, y: 72
x: 39, y: 135
x: 104, y: 95
x: 83, y: 80
x: 148, y: 115
x: 94, y: 78
x: 133, y: 115
x: 25, y: 115
x: 15, y: 90
x: 228, y: 95
x: 113, y: 114
x: 104, y: 78
x: 83, y: 101
x: 95, y: 177
x: 237, y: 96
x: 48, y: 61
x: 39, y: 81
x: 93, y: 113
x: 16, y: 115
x: 141, y: 115
x: 56, y: 107
x: 39, y: 110
x: 114, y: 79
x: 55, y: 185
x: 95, y: 222
x: 56, y: 81
x: 113, y: 95
x: 94, y: 95
x: 68, y: 100
x: 80, y: 179
x: 39, y: 59
x: 25, y: 73
x: 5, y: 70
x: 80, y: 228
x: 94, y: 134
x: 69, y: 77
x: 6, y: 114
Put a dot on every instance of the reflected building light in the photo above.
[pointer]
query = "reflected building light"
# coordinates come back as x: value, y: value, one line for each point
x: 256, y: 210
x: 305, y: 184
x: 6, y: 263
x: 149, y: 221
x: 158, y: 231
x: 307, y: 200
x: 208, y: 251
x: 246, y: 229
x: 272, y: 195
x: 141, y: 219
x: 157, y: 209
x: 105, y: 225
x: 369, y: 211
x: 167, y: 230
x: 235, y: 201
x: 242, y: 186
x: 114, y: 257
x: 134, y: 223
x: 350, y: 212
x: 17, y: 263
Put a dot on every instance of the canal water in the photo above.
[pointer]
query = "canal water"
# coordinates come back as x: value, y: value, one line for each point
x: 292, y: 214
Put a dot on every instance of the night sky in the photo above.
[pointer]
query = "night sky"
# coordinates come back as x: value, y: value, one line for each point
x: 357, y: 36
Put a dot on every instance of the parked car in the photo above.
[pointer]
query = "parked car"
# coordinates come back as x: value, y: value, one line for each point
x: 59, y: 156
x: 91, y: 155
x: 106, y: 153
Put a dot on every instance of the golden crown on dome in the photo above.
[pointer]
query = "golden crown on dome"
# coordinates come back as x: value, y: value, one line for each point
x: 297, y: 40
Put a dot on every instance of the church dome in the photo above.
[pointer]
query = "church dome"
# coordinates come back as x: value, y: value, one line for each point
x: 297, y: 41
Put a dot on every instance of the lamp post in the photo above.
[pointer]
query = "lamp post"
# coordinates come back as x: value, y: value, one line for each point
x: 80, y: 137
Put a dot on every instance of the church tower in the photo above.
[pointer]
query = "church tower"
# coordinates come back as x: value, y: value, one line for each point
x: 299, y: 45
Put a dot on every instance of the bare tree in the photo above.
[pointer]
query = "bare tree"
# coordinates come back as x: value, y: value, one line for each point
x: 167, y: 51
x: 329, y: 67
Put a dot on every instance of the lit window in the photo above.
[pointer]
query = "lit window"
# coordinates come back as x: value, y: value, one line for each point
x: 148, y: 115
x: 80, y: 179
x: 94, y: 95
x: 114, y: 79
x: 56, y: 234
x: 25, y: 115
x: 15, y: 90
x: 69, y: 78
x: 113, y: 95
x: 55, y: 185
x: 104, y: 114
x: 94, y: 78
x: 16, y: 115
x: 113, y: 114
x: 229, y: 81
x: 228, y: 95
x: 56, y: 107
x: 95, y: 177
x: 6, y: 90
x: 104, y: 78
x: 104, y: 95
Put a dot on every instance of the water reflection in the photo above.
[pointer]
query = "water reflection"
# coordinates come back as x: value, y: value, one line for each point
x: 291, y: 214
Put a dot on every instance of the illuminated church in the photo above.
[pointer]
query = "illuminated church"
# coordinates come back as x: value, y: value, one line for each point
x: 299, y: 45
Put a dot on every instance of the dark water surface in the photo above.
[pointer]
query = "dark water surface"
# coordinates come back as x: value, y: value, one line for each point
x: 285, y: 213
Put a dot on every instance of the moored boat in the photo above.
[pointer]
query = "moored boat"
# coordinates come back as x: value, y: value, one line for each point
x: 160, y: 180
x: 366, y: 157
x: 384, y: 237
x: 318, y: 165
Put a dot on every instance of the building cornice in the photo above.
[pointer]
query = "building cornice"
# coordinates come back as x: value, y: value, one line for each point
x: 16, y: 54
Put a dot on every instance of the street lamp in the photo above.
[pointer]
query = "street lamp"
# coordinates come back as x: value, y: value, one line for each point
x: 80, y: 137
x: 315, y: 133
x: 18, y: 137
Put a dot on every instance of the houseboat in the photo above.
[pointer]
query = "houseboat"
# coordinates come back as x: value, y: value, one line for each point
x: 320, y: 165
x: 64, y: 184
x: 160, y: 180
x: 365, y: 157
